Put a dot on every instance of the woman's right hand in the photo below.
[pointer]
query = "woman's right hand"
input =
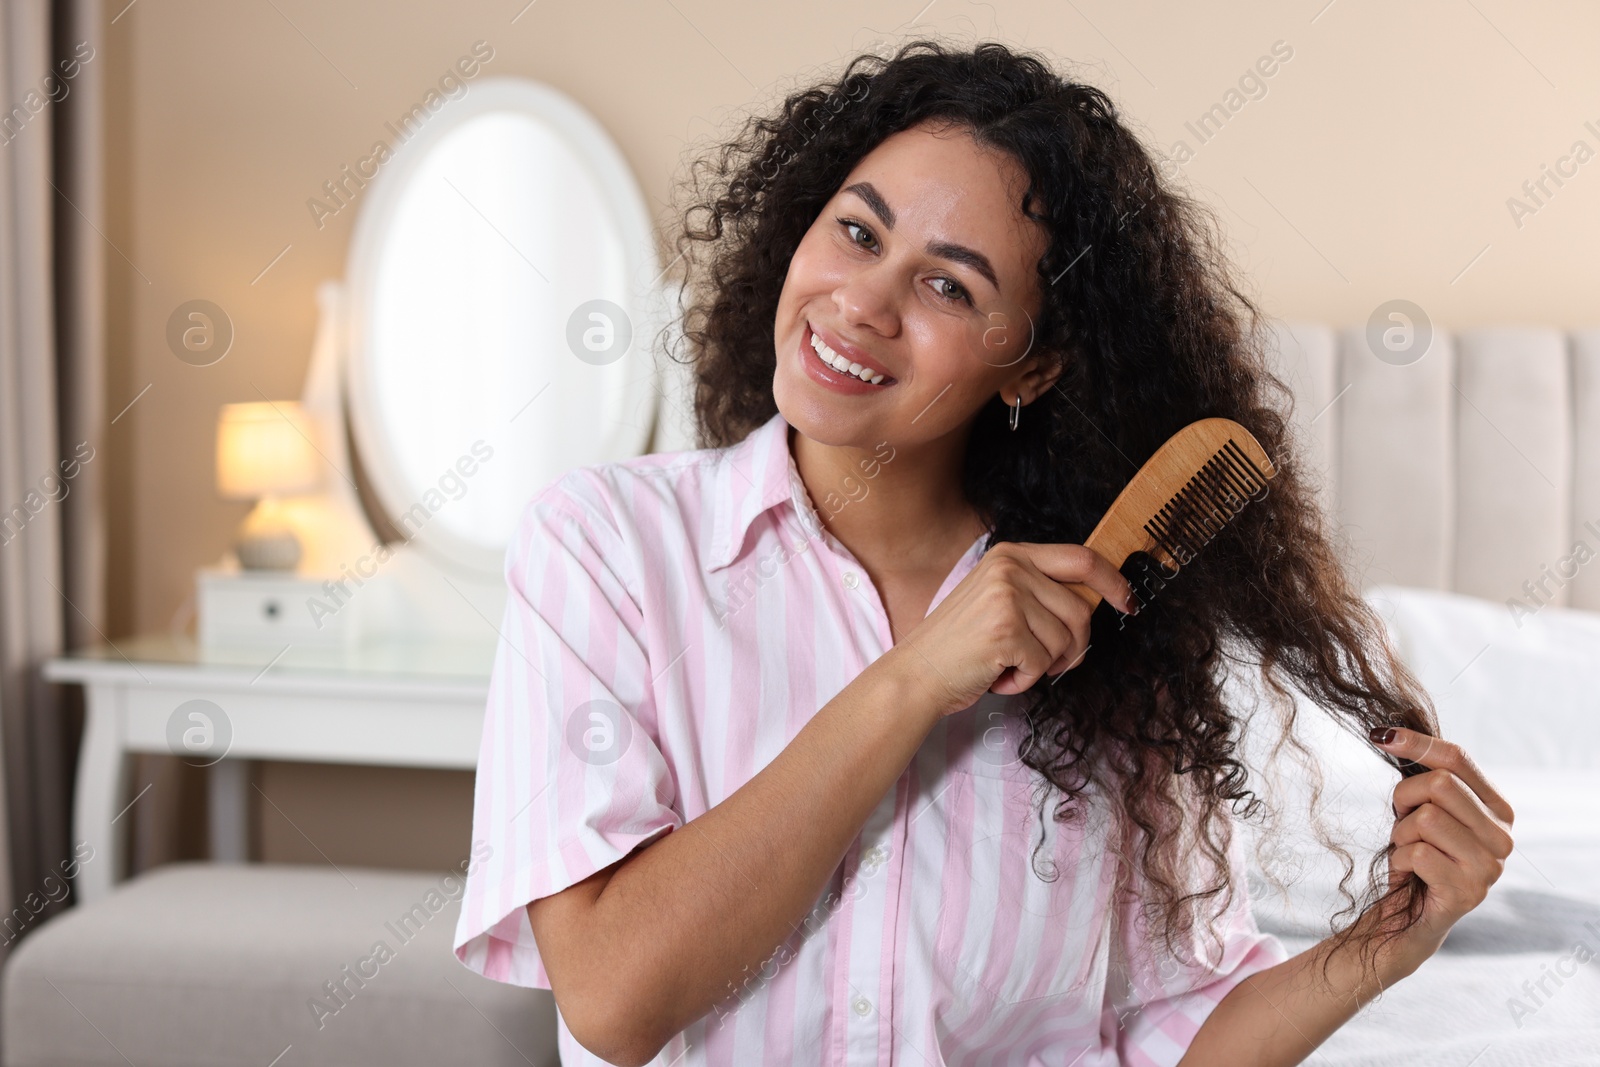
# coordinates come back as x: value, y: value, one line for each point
x: 1009, y: 622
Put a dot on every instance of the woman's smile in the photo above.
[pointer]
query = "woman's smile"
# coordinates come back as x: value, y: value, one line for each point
x: 826, y: 366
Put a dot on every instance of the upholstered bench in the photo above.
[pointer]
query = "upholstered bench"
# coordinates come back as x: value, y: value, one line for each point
x: 214, y: 965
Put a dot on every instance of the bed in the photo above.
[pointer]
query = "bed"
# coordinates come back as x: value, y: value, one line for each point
x: 1467, y: 483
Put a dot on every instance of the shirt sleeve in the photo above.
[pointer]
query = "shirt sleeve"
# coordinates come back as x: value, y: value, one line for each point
x: 570, y: 775
x: 1156, y: 1001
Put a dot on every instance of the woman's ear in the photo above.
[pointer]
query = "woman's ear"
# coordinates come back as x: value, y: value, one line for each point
x: 1040, y: 373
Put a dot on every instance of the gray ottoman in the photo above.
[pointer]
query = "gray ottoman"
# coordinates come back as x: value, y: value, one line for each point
x: 209, y: 965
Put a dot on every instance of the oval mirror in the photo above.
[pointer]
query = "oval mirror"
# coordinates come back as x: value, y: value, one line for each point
x: 503, y: 298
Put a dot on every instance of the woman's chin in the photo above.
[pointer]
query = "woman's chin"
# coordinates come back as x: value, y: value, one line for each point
x: 825, y: 420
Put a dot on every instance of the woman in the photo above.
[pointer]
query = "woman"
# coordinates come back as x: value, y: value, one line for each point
x: 801, y: 750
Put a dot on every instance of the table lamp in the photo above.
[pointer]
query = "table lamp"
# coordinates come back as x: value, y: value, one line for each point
x: 264, y: 451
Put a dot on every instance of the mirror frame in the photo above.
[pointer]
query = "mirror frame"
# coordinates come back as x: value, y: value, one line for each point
x: 588, y: 141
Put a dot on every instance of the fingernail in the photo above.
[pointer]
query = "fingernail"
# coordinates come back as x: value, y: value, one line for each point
x: 1381, y: 735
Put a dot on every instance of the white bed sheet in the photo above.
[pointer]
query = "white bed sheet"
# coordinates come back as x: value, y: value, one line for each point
x: 1478, y: 1001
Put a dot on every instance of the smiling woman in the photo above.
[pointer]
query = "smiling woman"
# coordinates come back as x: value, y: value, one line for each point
x: 679, y: 796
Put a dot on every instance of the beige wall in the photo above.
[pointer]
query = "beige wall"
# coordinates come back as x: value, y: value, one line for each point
x: 1377, y: 165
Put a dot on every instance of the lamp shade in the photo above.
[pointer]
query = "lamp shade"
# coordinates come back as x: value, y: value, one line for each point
x: 265, y: 449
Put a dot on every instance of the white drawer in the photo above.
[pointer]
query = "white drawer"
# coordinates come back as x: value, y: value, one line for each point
x: 244, y: 609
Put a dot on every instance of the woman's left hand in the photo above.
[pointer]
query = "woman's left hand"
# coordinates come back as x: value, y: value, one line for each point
x: 1452, y: 829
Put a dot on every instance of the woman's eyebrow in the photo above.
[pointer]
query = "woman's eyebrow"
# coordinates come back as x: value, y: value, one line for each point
x: 943, y: 249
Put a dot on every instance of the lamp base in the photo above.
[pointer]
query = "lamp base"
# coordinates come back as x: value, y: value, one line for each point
x: 266, y: 542
x: 279, y: 552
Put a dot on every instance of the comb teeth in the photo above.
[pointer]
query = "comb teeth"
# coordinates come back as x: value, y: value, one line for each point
x: 1218, y: 491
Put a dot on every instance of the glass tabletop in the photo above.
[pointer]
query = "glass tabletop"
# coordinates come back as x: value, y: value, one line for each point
x: 445, y: 660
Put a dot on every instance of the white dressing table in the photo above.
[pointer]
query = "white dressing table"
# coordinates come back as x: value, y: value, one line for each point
x: 389, y: 703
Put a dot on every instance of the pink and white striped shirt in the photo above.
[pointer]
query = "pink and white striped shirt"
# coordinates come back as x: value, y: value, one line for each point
x: 673, y: 621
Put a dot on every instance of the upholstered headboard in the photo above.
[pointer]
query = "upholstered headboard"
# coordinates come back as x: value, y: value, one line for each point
x: 1475, y: 468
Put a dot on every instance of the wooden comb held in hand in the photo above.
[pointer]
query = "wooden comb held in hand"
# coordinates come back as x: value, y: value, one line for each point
x: 1182, y: 497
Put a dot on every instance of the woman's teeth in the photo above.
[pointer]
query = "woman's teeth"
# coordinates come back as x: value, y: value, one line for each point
x: 842, y: 365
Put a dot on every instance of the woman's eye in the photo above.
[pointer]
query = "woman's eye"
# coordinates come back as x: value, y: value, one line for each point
x: 958, y: 294
x: 853, y: 227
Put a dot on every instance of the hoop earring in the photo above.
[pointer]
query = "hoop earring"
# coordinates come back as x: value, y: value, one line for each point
x: 1016, y: 412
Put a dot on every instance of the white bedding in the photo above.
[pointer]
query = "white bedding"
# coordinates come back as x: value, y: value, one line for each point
x: 1470, y: 1004
x: 1525, y: 701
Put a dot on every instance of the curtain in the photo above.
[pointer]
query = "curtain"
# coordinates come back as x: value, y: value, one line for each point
x: 52, y: 419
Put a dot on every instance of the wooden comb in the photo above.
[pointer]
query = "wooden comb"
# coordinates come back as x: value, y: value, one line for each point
x: 1182, y: 497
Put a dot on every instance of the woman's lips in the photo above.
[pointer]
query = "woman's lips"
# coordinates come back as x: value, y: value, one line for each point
x: 823, y: 374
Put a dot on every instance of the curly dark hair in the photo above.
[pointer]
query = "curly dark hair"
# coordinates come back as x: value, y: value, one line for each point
x: 1152, y: 333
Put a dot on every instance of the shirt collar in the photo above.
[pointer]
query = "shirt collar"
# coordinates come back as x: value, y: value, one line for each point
x: 756, y: 474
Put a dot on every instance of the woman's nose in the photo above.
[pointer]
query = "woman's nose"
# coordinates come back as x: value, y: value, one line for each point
x: 868, y: 297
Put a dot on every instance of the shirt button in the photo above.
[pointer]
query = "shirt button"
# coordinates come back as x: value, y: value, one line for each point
x: 850, y: 579
x: 862, y: 1006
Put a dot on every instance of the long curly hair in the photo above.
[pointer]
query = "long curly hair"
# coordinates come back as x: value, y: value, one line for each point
x: 1152, y: 334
